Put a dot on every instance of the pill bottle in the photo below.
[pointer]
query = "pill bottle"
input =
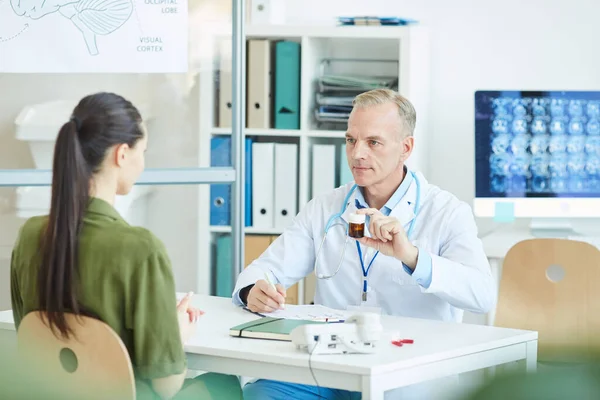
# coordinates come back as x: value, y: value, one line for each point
x: 357, y: 225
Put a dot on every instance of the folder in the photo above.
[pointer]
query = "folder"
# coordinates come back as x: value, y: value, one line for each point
x: 291, y: 294
x: 323, y: 169
x: 287, y: 85
x: 263, y: 179
x: 220, y: 193
x: 225, y: 86
x: 259, y: 84
x: 224, y: 265
x: 345, y: 172
x: 255, y: 245
x: 269, y: 328
x: 286, y: 184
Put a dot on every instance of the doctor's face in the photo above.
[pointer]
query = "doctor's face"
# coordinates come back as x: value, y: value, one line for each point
x: 376, y: 144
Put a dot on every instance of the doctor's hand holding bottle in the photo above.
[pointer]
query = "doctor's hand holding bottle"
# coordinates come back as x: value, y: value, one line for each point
x: 389, y: 237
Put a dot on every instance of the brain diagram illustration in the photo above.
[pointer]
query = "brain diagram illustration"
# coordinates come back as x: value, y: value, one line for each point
x: 91, y: 17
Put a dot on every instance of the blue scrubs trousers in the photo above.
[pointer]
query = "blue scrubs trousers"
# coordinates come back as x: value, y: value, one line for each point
x: 264, y: 389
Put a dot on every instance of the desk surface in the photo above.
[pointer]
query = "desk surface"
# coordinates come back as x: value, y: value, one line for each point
x: 434, y: 341
x: 497, y: 243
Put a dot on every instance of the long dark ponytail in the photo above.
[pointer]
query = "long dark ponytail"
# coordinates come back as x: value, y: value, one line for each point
x: 99, y: 122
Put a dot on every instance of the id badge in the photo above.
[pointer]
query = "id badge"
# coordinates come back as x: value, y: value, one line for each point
x: 370, y: 305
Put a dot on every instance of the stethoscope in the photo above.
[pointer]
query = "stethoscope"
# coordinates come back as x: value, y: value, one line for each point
x: 332, y: 221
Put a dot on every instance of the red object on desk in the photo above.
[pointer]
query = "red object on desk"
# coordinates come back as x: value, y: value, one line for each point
x: 399, y: 343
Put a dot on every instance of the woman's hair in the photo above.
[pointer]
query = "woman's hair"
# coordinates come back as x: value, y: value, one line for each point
x: 99, y: 122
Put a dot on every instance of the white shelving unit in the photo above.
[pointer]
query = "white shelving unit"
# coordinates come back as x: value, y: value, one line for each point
x: 408, y: 46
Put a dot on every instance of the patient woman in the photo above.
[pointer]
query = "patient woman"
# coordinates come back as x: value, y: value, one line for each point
x: 84, y: 258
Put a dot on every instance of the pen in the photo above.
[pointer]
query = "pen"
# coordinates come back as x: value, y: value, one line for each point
x: 269, y: 281
x: 273, y: 286
x: 329, y: 320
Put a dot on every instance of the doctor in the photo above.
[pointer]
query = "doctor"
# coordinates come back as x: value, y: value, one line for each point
x: 422, y: 257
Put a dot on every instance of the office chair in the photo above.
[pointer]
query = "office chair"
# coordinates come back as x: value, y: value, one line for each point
x: 92, y: 364
x: 552, y: 286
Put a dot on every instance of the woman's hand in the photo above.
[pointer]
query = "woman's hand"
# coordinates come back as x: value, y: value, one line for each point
x: 187, y: 317
x: 389, y: 238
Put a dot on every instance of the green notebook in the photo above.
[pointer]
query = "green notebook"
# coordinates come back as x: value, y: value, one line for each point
x: 269, y: 328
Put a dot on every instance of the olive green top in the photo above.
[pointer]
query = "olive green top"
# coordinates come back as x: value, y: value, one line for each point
x: 126, y: 280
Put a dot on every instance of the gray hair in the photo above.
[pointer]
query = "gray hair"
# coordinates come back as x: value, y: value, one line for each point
x: 406, y: 110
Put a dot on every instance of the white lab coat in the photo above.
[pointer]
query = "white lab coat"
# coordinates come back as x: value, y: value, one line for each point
x: 444, y: 227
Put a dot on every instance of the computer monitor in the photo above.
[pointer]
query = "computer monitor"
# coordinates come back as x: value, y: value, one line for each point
x: 537, y: 155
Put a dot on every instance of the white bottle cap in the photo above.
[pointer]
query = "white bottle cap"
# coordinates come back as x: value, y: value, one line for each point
x: 357, y: 218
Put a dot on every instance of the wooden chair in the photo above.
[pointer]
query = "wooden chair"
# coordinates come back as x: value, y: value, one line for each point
x: 553, y: 286
x: 92, y: 364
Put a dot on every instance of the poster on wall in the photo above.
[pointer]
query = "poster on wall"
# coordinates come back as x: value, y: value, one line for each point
x: 93, y: 36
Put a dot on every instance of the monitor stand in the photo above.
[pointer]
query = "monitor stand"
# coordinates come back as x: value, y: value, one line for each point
x: 551, y: 228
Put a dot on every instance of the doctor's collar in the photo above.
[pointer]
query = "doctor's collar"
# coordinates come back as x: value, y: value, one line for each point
x: 397, y: 196
x: 358, y: 204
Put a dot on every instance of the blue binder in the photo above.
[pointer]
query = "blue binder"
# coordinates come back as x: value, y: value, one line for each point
x: 287, y: 85
x: 220, y: 193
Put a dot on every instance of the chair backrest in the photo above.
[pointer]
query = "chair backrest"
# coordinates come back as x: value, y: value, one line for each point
x: 553, y: 286
x: 92, y: 364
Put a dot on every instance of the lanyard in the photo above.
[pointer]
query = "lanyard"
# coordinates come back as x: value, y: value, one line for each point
x: 365, y: 271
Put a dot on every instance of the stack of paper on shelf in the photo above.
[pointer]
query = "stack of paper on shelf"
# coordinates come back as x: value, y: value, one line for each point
x: 336, y: 92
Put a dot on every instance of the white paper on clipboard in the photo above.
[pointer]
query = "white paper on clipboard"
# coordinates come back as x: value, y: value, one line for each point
x: 309, y: 312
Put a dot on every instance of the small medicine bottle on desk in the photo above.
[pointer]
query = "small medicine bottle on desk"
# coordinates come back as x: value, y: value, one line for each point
x: 357, y: 226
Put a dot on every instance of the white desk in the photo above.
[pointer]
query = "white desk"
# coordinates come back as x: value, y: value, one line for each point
x: 440, y: 350
x: 497, y: 243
